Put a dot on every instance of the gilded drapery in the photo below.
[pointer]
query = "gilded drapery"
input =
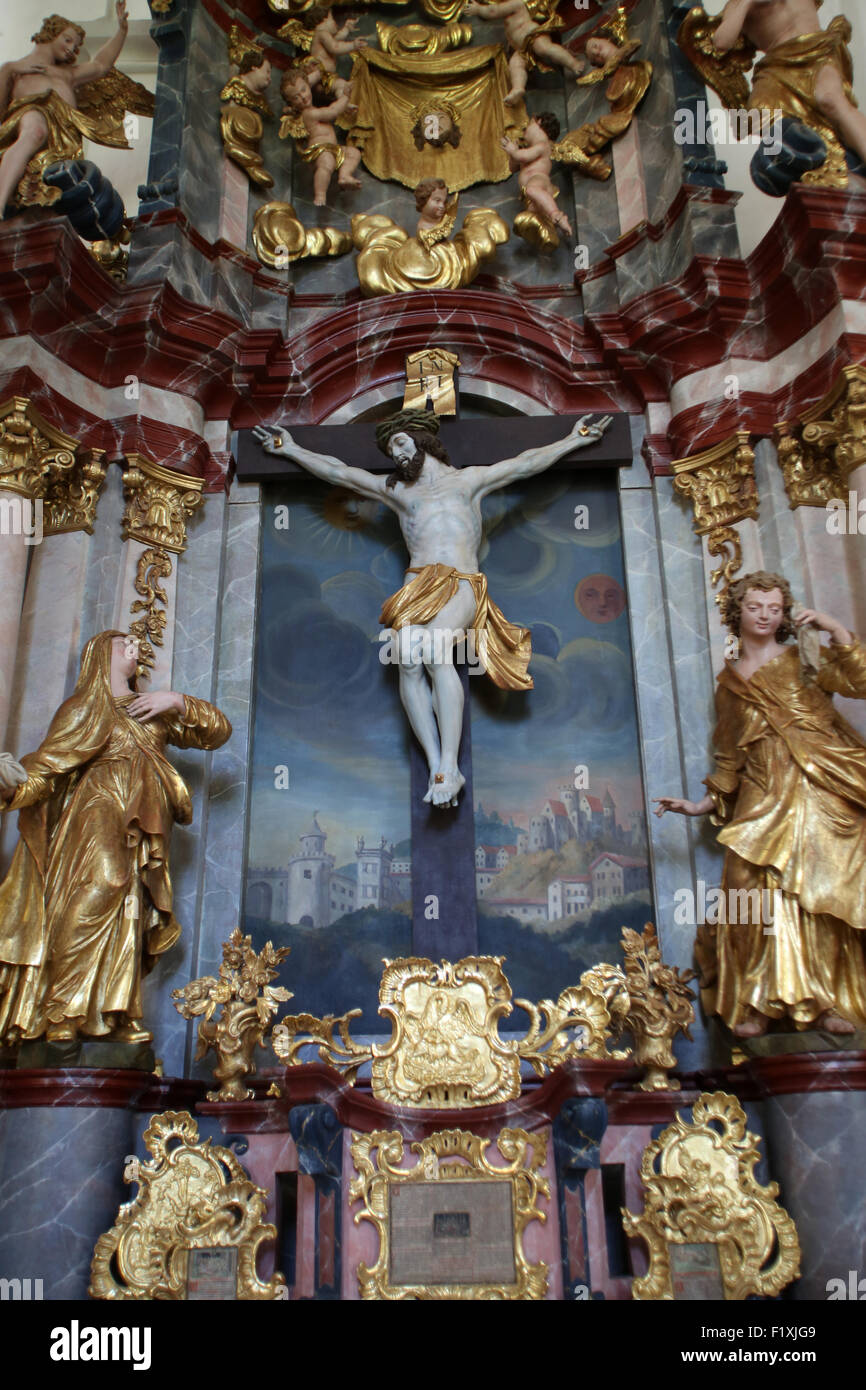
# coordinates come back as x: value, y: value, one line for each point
x: 789, y: 788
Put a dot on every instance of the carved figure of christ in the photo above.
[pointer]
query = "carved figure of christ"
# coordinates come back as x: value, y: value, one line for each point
x: 439, y: 511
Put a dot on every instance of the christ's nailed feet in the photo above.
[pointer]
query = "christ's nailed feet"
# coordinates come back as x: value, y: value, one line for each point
x: 445, y: 787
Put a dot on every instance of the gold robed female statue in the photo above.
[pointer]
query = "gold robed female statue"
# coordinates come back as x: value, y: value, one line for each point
x: 85, y: 909
x: 789, y: 791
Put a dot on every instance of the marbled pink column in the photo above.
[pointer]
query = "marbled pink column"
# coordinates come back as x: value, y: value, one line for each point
x: 234, y: 205
x: 13, y: 574
x: 629, y: 178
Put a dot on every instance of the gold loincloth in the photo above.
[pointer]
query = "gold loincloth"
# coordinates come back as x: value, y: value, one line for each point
x: 67, y: 129
x: 310, y: 153
x: 524, y: 48
x: 506, y: 648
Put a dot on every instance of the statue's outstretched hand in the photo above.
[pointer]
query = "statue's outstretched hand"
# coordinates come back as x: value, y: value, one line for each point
x: 12, y: 774
x: 585, y: 432
x: 273, y: 441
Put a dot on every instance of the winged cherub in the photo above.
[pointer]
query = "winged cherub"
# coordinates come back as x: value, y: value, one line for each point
x: 528, y: 32
x: 47, y: 114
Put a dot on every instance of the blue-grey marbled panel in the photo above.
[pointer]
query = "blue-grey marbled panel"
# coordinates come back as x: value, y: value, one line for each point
x: 817, y: 1141
x: 664, y: 575
x: 61, y: 1182
x: 227, y: 795
x: 196, y: 635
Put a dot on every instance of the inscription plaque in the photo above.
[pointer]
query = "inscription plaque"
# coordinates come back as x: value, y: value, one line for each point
x: 452, y: 1233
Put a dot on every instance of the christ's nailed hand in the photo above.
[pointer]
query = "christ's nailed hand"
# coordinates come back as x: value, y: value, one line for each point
x: 585, y: 429
x: 273, y: 441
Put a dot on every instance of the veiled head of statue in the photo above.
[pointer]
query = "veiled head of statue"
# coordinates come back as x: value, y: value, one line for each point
x: 421, y: 427
x: 101, y: 652
x: 762, y: 582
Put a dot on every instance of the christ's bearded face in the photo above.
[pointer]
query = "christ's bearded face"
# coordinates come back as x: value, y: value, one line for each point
x: 407, y: 455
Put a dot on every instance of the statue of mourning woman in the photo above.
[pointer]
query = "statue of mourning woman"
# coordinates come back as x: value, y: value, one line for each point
x: 789, y: 791
x: 86, y: 908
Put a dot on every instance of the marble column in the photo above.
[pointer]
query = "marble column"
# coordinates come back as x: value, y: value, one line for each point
x: 13, y: 572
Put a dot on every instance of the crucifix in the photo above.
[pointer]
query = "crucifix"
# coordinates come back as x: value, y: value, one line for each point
x: 432, y: 472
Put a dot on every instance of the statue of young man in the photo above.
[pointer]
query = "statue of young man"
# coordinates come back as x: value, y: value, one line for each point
x: 39, y: 102
x: 439, y: 510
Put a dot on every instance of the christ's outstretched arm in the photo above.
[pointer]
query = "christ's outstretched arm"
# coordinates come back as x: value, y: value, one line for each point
x: 484, y: 480
x: 325, y: 466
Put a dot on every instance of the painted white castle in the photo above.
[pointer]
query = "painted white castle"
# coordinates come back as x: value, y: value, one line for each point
x: 310, y: 891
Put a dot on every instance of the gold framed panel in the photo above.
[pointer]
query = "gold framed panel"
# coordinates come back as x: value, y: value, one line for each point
x: 453, y: 1206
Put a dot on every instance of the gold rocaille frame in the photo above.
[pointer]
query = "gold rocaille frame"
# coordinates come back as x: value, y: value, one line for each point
x: 449, y: 1155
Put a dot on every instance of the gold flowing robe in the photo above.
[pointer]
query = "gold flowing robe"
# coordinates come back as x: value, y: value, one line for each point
x: 785, y: 80
x: 85, y: 909
x: 505, y: 649
x: 789, y: 788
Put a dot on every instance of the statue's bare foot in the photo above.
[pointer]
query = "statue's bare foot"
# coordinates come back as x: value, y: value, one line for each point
x: 514, y: 96
x: 349, y: 182
x: 562, y: 221
x: 447, y: 787
x: 831, y: 1022
x: 753, y: 1026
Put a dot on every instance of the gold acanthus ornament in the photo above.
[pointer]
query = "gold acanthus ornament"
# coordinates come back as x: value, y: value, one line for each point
x: 192, y: 1196
x: 700, y: 1189
x: 445, y: 1050
x: 152, y: 603
x: 41, y: 462
x: 390, y: 261
x: 660, y: 1006
x: 247, y: 1002
x: 280, y: 238
x: 158, y: 503
x: 720, y: 483
x: 449, y: 1156
x: 818, y: 456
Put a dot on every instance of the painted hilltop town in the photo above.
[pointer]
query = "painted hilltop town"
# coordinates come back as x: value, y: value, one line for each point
x: 574, y: 857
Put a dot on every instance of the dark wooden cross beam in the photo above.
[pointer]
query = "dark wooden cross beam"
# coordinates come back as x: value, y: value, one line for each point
x: 443, y: 841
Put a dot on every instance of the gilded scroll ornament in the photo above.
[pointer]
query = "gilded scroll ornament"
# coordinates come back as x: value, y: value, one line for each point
x: 247, y: 1002
x: 700, y: 1190
x: 720, y: 483
x: 453, y: 1169
x: 660, y: 1006
x: 806, y: 73
x: 818, y: 458
x: 192, y: 1196
x: 430, y: 378
x: 152, y: 604
x: 280, y: 238
x: 244, y: 107
x: 158, y: 503
x: 445, y: 1050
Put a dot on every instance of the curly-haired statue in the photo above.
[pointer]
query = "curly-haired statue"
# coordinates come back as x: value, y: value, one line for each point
x: 789, y: 791
x: 45, y: 113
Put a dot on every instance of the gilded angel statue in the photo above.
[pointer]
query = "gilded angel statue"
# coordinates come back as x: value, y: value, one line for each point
x: 612, y: 55
x: 391, y: 261
x: 86, y: 907
x: 244, y: 107
x: 50, y: 103
x: 806, y: 73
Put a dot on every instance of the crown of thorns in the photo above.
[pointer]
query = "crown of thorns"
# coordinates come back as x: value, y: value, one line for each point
x: 404, y: 421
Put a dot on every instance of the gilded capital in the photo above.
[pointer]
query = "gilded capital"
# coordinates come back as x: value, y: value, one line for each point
x: 720, y: 483
x: 818, y: 456
x: 41, y: 462
x: 158, y: 503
